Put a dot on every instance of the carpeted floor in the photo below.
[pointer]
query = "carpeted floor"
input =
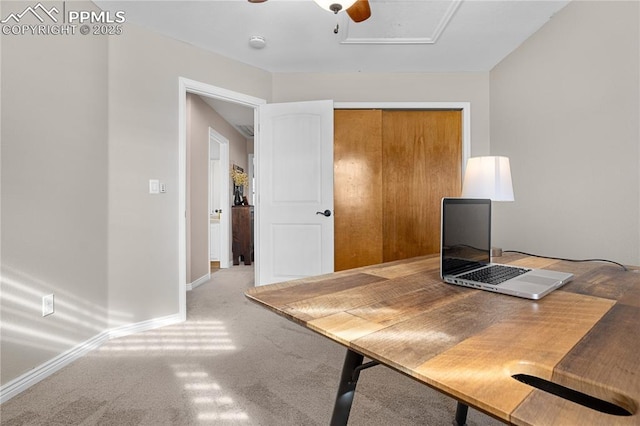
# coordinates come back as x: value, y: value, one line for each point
x: 230, y: 363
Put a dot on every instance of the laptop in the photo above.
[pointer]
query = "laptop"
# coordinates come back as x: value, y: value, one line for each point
x: 465, y: 254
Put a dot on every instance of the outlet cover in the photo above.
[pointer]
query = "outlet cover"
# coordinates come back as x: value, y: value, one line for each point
x: 47, y: 305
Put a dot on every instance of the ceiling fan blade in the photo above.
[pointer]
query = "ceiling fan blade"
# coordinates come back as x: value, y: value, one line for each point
x: 360, y: 11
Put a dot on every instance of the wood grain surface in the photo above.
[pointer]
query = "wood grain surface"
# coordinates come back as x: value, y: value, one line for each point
x: 391, y: 168
x: 422, y: 162
x: 357, y: 189
x: 468, y: 343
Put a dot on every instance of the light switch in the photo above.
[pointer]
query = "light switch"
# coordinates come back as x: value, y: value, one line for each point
x: 154, y: 186
x: 163, y: 187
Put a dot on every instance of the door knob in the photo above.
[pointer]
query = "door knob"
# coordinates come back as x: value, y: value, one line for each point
x: 326, y: 213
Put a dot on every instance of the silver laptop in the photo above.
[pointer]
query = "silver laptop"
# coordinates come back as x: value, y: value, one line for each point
x: 465, y: 254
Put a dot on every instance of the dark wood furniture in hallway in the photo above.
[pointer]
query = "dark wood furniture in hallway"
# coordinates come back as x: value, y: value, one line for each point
x: 242, y: 231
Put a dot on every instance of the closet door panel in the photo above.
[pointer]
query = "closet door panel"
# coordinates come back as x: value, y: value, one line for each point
x: 357, y: 188
x: 421, y: 160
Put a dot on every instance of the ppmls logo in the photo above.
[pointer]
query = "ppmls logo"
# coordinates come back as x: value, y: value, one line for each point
x: 38, y: 11
x: 43, y: 20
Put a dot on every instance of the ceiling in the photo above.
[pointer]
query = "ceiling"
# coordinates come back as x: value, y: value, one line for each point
x: 401, y: 35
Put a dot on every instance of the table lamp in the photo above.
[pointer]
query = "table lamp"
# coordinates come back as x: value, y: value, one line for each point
x: 488, y: 177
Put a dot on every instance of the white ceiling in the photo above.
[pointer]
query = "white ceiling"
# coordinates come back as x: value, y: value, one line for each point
x: 400, y: 36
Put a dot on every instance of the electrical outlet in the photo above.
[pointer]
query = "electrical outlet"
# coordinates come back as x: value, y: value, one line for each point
x: 47, y: 305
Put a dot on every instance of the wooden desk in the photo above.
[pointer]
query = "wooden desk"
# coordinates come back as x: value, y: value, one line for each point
x: 468, y: 343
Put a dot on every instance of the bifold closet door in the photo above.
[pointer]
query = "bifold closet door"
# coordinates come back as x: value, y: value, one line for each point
x: 421, y: 163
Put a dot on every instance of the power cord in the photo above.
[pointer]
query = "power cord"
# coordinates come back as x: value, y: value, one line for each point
x: 567, y: 260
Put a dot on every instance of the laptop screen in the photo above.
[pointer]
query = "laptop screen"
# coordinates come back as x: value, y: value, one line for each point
x: 466, y: 234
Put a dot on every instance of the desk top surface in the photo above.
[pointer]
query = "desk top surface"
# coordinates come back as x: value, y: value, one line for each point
x: 468, y: 343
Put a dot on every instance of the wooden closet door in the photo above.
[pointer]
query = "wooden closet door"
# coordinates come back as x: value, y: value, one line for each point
x: 357, y: 188
x: 421, y: 159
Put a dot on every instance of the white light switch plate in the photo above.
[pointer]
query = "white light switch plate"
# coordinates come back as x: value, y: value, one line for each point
x: 154, y: 186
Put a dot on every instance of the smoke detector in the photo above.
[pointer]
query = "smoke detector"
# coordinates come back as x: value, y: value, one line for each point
x: 257, y: 42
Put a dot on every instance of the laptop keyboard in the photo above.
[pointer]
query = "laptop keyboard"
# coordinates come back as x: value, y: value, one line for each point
x: 494, y: 274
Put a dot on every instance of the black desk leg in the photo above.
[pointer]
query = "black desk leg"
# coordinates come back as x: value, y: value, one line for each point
x: 346, y: 389
x: 461, y: 415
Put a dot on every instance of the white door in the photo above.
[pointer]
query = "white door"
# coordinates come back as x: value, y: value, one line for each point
x: 214, y: 241
x: 295, y: 185
x: 214, y: 184
x: 215, y: 208
x: 219, y: 198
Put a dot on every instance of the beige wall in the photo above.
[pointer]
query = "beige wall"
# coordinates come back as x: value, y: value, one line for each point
x: 86, y: 122
x: 398, y: 87
x: 143, y: 144
x: 200, y: 117
x: 565, y: 109
x: 54, y: 194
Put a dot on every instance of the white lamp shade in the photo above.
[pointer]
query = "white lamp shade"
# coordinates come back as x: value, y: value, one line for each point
x: 326, y: 4
x: 488, y: 177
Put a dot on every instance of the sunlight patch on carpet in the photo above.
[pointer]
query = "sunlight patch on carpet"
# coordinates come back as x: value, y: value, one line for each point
x: 207, y: 397
x: 190, y: 338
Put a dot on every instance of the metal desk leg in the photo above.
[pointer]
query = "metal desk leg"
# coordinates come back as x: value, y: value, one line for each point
x: 461, y: 415
x: 346, y: 389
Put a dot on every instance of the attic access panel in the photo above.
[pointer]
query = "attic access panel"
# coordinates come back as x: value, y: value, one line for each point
x: 401, y: 22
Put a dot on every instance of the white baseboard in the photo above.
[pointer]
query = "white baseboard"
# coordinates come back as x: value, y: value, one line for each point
x: 139, y: 327
x: 203, y: 279
x: 22, y: 383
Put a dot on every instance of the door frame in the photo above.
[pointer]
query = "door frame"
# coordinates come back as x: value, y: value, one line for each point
x: 185, y: 86
x: 225, y: 217
x: 465, y: 107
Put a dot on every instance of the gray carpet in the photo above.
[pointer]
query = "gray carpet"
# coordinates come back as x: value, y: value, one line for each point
x: 233, y: 363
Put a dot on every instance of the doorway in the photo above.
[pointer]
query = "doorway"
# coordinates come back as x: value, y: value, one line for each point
x: 206, y: 91
x: 218, y: 190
